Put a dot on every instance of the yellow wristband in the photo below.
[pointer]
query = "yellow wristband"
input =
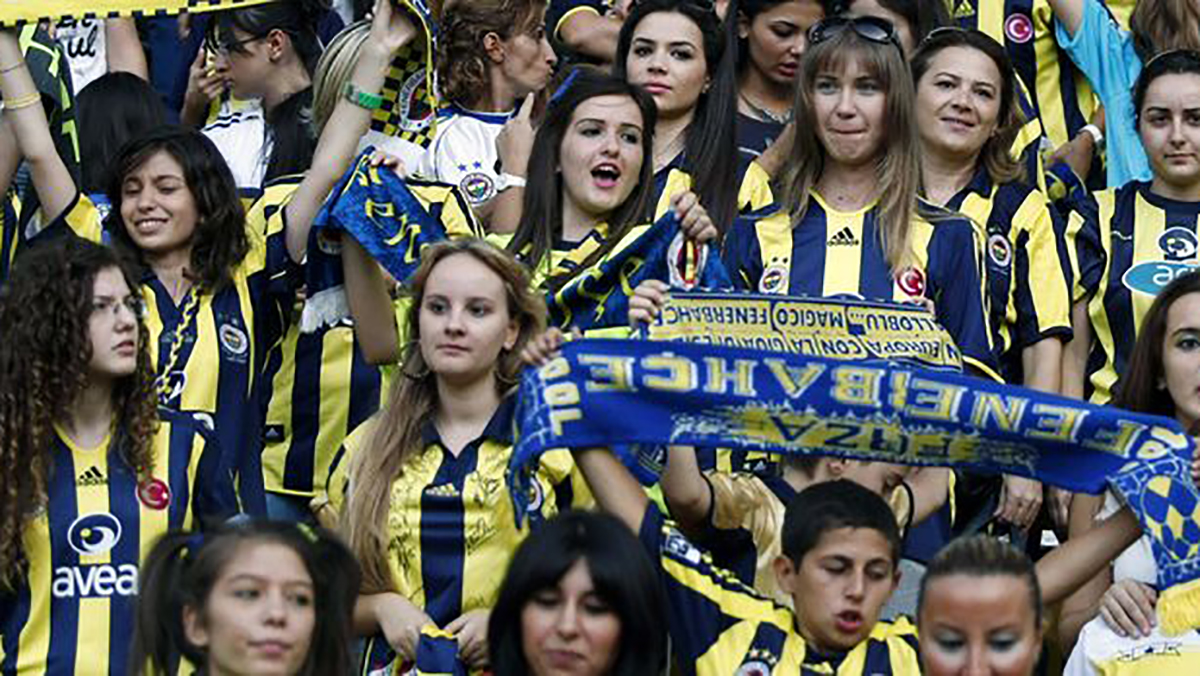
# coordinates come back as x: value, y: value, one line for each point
x: 23, y: 102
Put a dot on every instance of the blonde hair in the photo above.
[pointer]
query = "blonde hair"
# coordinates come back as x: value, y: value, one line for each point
x: 898, y: 169
x: 333, y: 71
x: 413, y: 400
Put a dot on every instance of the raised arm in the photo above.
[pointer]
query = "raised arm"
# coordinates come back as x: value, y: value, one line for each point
x: 1075, y: 353
x: 688, y: 494
x: 615, y: 489
x: 124, y: 48
x: 370, y: 305
x: 1069, y: 566
x: 591, y: 34
x: 27, y: 121
x: 1069, y: 13
x: 391, y: 29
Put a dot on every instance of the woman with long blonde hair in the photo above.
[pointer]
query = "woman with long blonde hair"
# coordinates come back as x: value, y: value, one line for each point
x: 427, y: 510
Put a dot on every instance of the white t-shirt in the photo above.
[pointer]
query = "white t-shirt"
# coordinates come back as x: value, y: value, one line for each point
x: 84, y: 44
x: 1100, y: 652
x: 239, y: 131
x: 464, y: 153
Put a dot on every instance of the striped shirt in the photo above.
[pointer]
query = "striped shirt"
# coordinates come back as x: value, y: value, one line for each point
x: 74, y: 613
x: 830, y: 253
x: 1131, y: 245
x: 1027, y: 271
x: 720, y: 627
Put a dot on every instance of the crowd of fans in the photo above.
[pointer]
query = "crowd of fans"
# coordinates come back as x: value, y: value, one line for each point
x: 195, y: 478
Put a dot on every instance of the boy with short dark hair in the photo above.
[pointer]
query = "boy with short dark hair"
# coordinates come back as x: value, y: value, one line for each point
x: 840, y: 551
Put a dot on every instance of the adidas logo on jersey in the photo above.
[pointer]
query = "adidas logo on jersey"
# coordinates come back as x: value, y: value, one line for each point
x: 843, y: 237
x: 92, y: 476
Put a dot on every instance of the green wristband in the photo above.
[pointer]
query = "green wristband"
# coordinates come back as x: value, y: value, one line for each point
x: 360, y: 98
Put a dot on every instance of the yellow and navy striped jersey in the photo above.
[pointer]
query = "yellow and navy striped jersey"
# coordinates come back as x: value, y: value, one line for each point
x: 1123, y: 253
x: 74, y: 612
x: 830, y: 253
x: 209, y: 348
x: 451, y: 523
x: 1028, y: 276
x: 719, y: 626
x: 317, y: 387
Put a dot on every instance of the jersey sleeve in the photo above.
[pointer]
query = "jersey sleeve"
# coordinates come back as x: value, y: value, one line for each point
x: 559, y: 11
x: 1042, y: 293
x: 957, y: 294
x: 1101, y: 49
x: 81, y: 219
x: 272, y: 274
x: 214, y: 497
x: 755, y: 191
x: 1088, y: 257
x: 702, y: 600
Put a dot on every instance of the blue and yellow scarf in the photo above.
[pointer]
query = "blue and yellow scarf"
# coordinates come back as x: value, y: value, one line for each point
x: 393, y: 219
x: 613, y: 392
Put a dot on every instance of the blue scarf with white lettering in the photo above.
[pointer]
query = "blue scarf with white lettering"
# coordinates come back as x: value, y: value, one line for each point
x: 612, y: 392
x: 391, y: 217
x: 598, y: 298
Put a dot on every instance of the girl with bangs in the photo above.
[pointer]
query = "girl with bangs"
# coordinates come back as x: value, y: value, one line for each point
x: 851, y: 222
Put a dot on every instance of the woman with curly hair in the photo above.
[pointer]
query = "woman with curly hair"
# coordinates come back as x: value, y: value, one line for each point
x: 491, y: 55
x: 91, y: 472
x: 218, y: 288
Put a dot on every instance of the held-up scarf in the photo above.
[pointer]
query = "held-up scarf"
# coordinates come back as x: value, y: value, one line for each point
x: 14, y: 12
x: 392, y: 218
x: 598, y: 297
x: 844, y: 329
x: 611, y: 392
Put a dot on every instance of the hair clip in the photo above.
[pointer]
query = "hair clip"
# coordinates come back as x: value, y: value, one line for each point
x: 308, y: 533
x: 565, y: 86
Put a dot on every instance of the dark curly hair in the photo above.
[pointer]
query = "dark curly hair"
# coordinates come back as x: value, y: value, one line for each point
x: 220, y: 242
x: 461, y: 62
x: 44, y: 315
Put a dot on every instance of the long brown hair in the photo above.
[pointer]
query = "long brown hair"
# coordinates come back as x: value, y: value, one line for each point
x: 898, y: 168
x: 1141, y: 388
x: 413, y: 402
x: 1162, y: 25
x: 44, y: 315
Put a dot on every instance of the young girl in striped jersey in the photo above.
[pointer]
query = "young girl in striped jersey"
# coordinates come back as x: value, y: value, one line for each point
x: 255, y: 597
x: 427, y: 510
x: 91, y: 471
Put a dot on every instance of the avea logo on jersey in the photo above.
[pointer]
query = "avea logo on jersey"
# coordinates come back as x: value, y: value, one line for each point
x: 93, y: 536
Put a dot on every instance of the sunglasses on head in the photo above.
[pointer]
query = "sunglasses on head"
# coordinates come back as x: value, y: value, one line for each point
x: 870, y: 28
